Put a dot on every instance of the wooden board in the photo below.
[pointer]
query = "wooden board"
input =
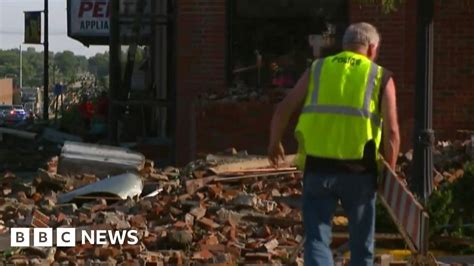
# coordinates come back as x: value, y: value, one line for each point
x: 250, y: 164
x: 241, y: 178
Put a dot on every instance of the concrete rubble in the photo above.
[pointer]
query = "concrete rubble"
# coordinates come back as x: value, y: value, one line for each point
x: 24, y: 150
x: 226, y: 220
x: 449, y: 158
x: 221, y: 210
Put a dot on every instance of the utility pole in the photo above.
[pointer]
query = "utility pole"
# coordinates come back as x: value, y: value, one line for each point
x: 114, y: 70
x: 422, y: 176
x: 21, y: 68
x: 46, y: 64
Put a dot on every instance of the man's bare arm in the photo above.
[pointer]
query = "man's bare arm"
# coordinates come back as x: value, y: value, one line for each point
x: 282, y: 115
x: 391, y: 134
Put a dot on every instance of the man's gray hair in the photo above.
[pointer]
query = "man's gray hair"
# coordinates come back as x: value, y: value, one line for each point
x: 361, y: 33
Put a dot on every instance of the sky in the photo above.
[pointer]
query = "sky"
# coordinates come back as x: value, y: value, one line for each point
x: 12, y: 27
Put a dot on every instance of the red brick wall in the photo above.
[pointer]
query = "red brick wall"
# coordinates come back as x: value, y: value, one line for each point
x: 201, y: 67
x: 241, y: 125
x: 201, y: 63
x: 453, y: 63
x: 453, y: 68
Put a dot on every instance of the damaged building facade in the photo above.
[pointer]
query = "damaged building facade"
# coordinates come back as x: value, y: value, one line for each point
x: 214, y: 70
x: 212, y: 32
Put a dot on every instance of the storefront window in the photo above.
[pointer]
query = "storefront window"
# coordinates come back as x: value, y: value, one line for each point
x: 272, y: 42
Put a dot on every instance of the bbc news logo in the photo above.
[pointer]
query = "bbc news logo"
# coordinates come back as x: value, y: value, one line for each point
x: 66, y: 237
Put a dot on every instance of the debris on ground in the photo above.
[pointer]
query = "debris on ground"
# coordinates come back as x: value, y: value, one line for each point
x: 59, y: 137
x: 220, y: 210
x: 99, y: 160
x: 229, y: 217
x: 449, y: 158
x: 118, y: 187
x: 17, y: 133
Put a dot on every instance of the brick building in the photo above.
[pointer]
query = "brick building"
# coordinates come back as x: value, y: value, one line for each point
x: 204, y: 63
x: 6, y: 91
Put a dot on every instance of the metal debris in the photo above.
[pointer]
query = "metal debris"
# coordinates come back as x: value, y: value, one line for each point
x: 122, y: 186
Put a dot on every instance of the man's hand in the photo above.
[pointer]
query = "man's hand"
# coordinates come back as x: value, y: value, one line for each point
x: 275, y: 153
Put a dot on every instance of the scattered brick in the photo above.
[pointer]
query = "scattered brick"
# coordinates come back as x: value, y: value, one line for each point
x: 198, y: 212
x: 206, y: 220
x: 208, y: 223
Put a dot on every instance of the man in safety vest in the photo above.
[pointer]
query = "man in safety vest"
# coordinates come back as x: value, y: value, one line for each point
x: 347, y: 103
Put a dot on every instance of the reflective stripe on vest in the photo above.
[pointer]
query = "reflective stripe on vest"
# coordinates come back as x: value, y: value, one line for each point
x: 314, y: 107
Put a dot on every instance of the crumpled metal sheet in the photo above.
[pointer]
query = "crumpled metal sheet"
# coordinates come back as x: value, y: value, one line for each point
x: 99, y: 160
x: 123, y: 186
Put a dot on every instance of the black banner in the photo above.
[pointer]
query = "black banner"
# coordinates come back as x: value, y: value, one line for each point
x: 33, y: 27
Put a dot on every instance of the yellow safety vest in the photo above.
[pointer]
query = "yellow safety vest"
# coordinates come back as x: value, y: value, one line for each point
x: 341, y: 111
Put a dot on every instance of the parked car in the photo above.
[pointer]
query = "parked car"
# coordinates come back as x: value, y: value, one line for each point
x: 12, y: 114
x: 5, y: 111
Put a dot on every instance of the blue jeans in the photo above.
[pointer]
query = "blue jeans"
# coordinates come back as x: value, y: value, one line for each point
x: 357, y: 193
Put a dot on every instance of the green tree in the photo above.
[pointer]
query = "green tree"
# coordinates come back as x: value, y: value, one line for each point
x: 64, y: 67
x: 98, y: 65
x: 33, y: 68
x: 69, y: 65
x: 9, y: 64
